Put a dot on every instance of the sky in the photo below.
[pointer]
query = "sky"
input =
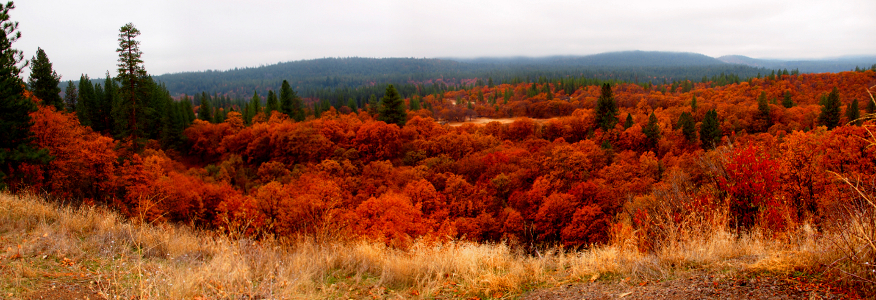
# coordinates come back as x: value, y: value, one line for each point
x: 80, y: 37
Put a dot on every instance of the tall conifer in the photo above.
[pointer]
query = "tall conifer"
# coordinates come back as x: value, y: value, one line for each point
x: 15, y: 109
x: 606, y: 109
x: 132, y: 91
x: 393, y: 108
x: 44, y: 81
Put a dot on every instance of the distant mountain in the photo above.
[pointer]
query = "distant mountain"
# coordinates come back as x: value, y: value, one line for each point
x: 610, y: 59
x: 314, y: 77
x: 343, y: 76
x: 831, y: 65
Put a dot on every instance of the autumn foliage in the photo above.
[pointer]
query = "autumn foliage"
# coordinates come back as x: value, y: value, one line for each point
x: 565, y: 180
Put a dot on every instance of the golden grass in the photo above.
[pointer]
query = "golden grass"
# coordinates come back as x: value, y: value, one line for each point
x: 41, y: 243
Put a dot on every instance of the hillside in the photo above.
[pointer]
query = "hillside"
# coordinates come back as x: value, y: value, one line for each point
x: 832, y: 65
x: 312, y: 77
x: 85, y: 252
x: 652, y: 179
x: 611, y: 59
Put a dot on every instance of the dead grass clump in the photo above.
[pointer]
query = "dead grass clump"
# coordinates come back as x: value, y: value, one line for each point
x: 160, y: 261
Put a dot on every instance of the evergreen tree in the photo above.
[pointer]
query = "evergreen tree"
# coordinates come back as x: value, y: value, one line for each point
x: 86, y: 104
x: 15, y: 109
x: 372, y: 105
x: 44, y: 81
x: 415, y: 103
x: 693, y: 104
x: 629, y: 122
x: 490, y: 82
x: 830, y: 109
x: 480, y: 96
x: 255, y: 105
x: 853, y: 114
x: 205, y: 110
x: 764, y: 120
x: 710, y: 130
x: 101, y: 115
x: 688, y: 127
x: 218, y: 115
x: 153, y: 108
x: 94, y: 111
x: 188, y: 111
x: 787, y: 102
x: 172, y: 135
x: 132, y: 92
x: 871, y: 107
x: 290, y: 103
x: 272, y: 104
x: 351, y: 103
x: 71, y: 97
x: 652, y: 130
x: 606, y: 109
x: 393, y: 108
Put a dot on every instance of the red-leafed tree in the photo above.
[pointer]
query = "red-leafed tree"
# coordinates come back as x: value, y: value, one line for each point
x: 751, y: 181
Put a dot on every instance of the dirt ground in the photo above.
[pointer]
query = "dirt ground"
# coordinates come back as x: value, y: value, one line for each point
x: 696, y: 286
x: 481, y: 121
x: 66, y: 291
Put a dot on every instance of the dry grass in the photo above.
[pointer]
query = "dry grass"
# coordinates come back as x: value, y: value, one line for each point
x: 43, y: 243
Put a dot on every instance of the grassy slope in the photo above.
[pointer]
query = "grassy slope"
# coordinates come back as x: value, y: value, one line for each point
x: 42, y: 244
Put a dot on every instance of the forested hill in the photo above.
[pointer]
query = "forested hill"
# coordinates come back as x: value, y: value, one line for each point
x: 319, y: 74
x: 314, y: 77
x: 613, y: 59
x: 833, y: 65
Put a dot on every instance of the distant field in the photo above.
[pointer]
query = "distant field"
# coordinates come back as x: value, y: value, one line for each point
x: 481, y: 121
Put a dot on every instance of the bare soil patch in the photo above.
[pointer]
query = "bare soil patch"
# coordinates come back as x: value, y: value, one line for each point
x: 65, y: 291
x: 700, y: 285
x: 481, y: 121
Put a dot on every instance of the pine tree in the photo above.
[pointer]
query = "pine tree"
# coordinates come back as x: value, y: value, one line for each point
x: 415, y: 103
x: 787, y: 102
x: 86, y: 104
x: 351, y: 103
x: 710, y: 130
x: 652, y: 130
x: 629, y: 122
x: 272, y: 104
x: 172, y: 134
x: 830, y: 109
x: 101, y: 116
x: 218, y: 115
x: 255, y: 105
x: 132, y: 92
x: 205, y: 110
x: 71, y: 96
x: 15, y: 109
x: 693, y: 104
x: 853, y: 114
x: 606, y: 109
x: 290, y: 103
x: 188, y: 111
x: 871, y: 107
x: 44, y: 81
x: 372, y: 105
x: 393, y: 108
x: 688, y: 127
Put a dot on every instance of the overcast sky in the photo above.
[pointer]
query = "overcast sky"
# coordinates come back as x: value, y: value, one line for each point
x: 178, y: 35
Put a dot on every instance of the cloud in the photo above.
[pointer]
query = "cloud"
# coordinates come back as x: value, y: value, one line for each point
x: 80, y: 37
